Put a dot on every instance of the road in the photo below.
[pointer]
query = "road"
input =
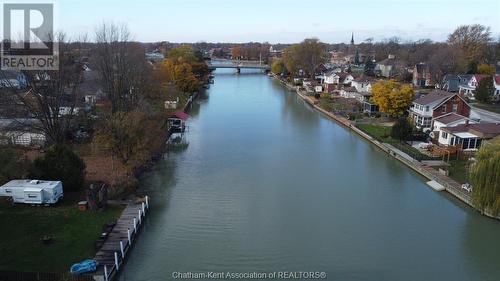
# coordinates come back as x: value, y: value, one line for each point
x: 484, y: 115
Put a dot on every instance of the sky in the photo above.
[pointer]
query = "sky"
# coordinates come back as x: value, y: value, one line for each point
x: 277, y: 21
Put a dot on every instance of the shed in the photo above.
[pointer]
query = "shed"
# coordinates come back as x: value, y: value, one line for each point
x: 33, y: 191
x: 177, y: 121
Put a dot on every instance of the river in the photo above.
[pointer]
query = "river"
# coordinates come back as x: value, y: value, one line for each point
x: 267, y: 184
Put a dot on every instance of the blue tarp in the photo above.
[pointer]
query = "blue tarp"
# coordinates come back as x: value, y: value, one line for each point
x: 84, y: 267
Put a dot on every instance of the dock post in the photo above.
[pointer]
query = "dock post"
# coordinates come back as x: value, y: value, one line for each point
x: 143, y: 208
x: 121, y: 249
x: 147, y: 202
x: 139, y: 216
x: 135, y: 225
x: 128, y: 235
x: 116, y: 261
x: 105, y: 273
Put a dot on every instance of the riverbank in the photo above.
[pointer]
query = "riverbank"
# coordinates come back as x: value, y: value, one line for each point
x: 448, y: 184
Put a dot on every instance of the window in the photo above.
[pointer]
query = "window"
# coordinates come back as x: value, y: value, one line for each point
x: 443, y: 108
x: 455, y: 107
x: 32, y: 196
x: 444, y: 135
x: 427, y: 108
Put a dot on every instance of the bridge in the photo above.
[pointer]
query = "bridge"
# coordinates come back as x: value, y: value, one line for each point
x: 237, y: 64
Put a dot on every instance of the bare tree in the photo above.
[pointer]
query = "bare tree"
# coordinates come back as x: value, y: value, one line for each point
x: 471, y: 40
x: 119, y: 62
x: 51, y: 96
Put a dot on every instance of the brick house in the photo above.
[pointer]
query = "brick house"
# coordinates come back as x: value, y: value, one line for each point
x: 435, y: 104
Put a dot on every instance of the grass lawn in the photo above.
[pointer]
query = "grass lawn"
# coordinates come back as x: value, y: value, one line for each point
x: 458, y: 170
x: 330, y: 105
x: 383, y: 134
x: 490, y: 107
x: 73, y: 232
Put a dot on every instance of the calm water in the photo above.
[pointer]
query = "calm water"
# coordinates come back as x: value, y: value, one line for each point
x: 268, y: 184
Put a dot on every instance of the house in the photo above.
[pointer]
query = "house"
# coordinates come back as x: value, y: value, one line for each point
x: 330, y: 80
x: 448, y: 120
x: 351, y: 93
x: 422, y: 75
x: 363, y: 83
x: 12, y: 79
x: 21, y: 132
x: 345, y: 78
x: 468, y: 84
x: 496, y: 92
x: 450, y: 83
x: 388, y: 68
x: 435, y: 104
x: 33, y: 191
x: 468, y: 136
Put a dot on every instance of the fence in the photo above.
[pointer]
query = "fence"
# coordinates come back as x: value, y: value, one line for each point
x: 41, y: 276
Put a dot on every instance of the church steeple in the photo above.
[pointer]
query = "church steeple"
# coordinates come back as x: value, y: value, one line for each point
x: 352, y: 38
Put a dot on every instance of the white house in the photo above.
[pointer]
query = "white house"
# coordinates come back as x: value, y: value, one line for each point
x: 468, y: 84
x: 20, y: 132
x: 468, y: 136
x: 448, y: 120
x: 33, y: 191
x: 363, y: 84
x: 496, y: 93
x: 345, y: 78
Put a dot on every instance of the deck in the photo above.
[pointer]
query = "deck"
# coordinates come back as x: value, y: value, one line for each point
x: 113, y: 252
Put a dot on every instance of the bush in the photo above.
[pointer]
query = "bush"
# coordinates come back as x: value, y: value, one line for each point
x: 62, y: 164
x: 12, y: 166
x: 402, y: 129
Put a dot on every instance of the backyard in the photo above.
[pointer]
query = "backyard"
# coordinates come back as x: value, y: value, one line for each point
x: 383, y: 134
x: 73, y: 234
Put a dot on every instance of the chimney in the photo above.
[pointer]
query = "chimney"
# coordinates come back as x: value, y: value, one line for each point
x: 466, y: 122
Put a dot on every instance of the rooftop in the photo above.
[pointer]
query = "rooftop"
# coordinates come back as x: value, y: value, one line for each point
x: 434, y: 96
x: 483, y: 130
x: 449, y: 118
x: 39, y: 184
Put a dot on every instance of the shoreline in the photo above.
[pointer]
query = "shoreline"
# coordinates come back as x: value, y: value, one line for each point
x: 451, y: 186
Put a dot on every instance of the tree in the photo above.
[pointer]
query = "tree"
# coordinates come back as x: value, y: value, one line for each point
x: 134, y: 136
x: 184, y: 78
x: 278, y: 67
x: 356, y: 58
x: 51, y: 97
x: 402, y: 129
x: 471, y: 39
x: 472, y: 67
x: 120, y: 64
x: 486, y: 69
x: 485, y: 177
x: 392, y: 97
x: 306, y: 56
x: 12, y: 165
x: 369, y: 69
x: 60, y: 163
x: 485, y: 90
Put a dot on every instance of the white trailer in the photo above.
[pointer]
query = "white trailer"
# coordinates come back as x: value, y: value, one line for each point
x: 33, y: 191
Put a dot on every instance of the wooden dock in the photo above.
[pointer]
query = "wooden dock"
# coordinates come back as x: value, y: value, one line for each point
x: 112, y: 254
